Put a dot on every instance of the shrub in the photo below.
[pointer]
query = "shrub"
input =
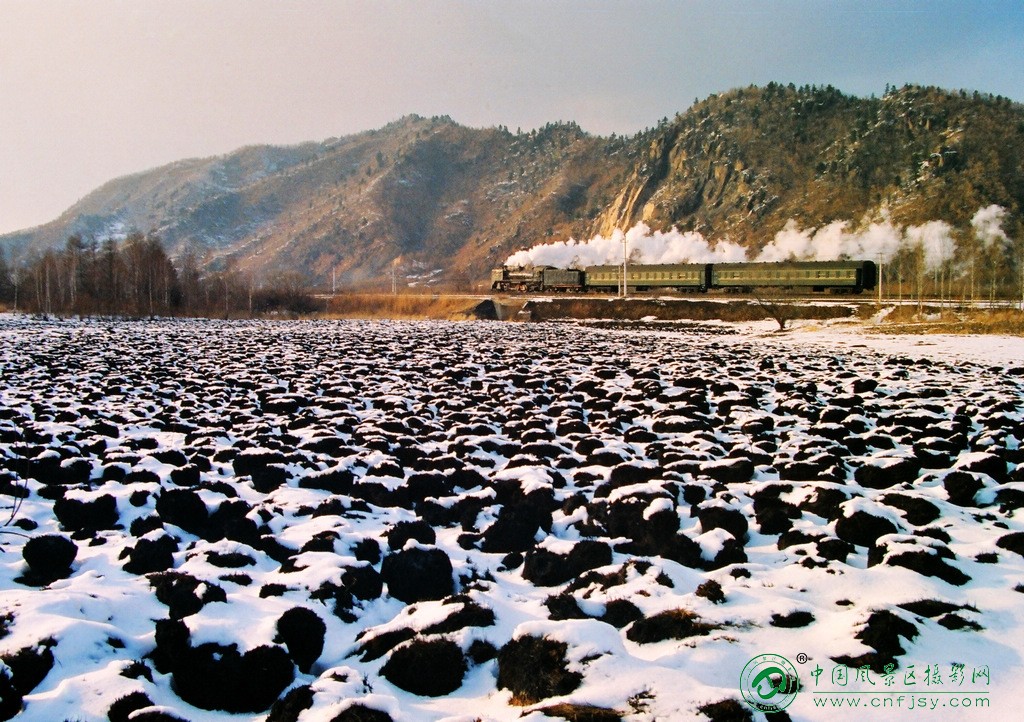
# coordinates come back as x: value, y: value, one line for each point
x: 49, y: 557
x: 123, y: 707
x: 183, y: 508
x: 581, y: 713
x: 76, y: 515
x: 289, y: 707
x: 712, y: 591
x: 729, y: 710
x: 28, y: 668
x: 179, y: 592
x: 416, y: 575
x: 403, y: 531
x: 361, y: 713
x: 302, y: 632
x: 429, y: 668
x: 152, y: 555
x: 717, y: 517
x: 863, y: 529
x: 793, y: 620
x: 671, y: 624
x: 216, y: 677
x: 534, y: 668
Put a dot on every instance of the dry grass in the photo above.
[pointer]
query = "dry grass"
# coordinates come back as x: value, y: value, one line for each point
x: 676, y: 310
x: 401, y: 306
x: 933, y: 319
x: 581, y: 713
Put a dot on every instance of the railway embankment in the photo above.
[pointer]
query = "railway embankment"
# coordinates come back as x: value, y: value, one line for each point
x: 635, y: 309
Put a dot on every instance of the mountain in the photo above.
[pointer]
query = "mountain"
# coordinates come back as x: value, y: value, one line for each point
x: 742, y: 163
x: 438, y: 195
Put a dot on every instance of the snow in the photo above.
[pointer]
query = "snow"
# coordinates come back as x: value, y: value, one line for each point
x: 385, y: 390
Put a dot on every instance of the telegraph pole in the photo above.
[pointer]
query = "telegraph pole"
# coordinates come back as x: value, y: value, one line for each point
x: 625, y: 282
x: 880, y: 267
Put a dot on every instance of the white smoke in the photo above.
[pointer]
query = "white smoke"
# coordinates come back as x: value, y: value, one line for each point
x: 935, y: 239
x: 987, y: 224
x: 643, y: 246
x: 878, y: 241
x: 789, y: 243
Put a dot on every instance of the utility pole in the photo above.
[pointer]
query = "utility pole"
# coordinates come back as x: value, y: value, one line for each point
x: 334, y: 281
x: 880, y: 267
x: 625, y: 281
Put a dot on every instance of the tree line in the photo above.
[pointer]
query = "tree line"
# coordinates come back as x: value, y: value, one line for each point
x: 136, y: 277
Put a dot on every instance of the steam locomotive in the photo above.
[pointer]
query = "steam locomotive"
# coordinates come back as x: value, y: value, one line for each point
x: 838, y: 276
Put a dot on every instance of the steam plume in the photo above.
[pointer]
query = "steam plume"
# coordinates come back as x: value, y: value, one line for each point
x: 987, y: 224
x: 879, y: 241
x: 935, y: 238
x: 644, y: 246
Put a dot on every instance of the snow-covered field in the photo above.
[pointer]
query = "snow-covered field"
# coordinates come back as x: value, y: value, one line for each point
x: 315, y: 521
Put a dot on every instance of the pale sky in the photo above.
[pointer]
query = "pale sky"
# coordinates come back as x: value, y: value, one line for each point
x: 95, y: 89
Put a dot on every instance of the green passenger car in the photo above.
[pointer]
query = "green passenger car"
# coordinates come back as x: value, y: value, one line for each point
x: 646, y: 277
x: 854, y: 276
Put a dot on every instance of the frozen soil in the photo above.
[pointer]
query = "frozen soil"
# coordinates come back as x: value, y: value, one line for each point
x: 320, y: 521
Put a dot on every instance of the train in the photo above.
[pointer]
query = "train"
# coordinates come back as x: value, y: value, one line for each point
x: 818, y: 276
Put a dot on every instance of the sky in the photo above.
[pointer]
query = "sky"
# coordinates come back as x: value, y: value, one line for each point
x: 91, y: 90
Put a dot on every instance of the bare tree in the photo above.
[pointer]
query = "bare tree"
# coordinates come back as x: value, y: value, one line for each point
x: 770, y: 301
